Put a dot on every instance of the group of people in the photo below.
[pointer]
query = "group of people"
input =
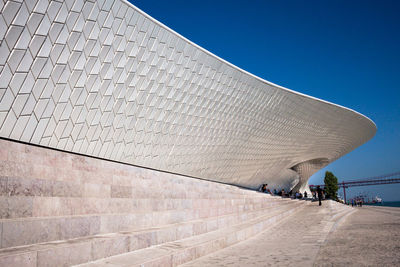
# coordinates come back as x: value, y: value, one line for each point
x: 264, y: 188
x: 356, y: 202
x: 317, y: 194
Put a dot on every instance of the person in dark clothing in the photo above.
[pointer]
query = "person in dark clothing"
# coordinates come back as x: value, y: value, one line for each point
x: 319, y: 193
x: 264, y: 188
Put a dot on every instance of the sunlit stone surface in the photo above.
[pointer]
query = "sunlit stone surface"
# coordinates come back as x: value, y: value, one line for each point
x: 102, y: 78
x: 109, y: 83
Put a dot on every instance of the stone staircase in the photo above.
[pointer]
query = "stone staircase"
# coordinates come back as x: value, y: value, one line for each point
x: 181, y: 251
x: 61, y: 209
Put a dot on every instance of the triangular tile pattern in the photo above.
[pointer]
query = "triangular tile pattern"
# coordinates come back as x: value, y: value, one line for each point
x: 101, y: 78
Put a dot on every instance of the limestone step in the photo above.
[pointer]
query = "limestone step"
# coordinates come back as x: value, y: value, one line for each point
x: 185, y: 250
x: 28, y: 206
x: 88, y: 185
x: 46, y: 229
x: 100, y: 246
x: 339, y: 210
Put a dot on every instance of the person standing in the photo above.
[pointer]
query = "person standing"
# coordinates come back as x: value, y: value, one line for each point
x: 319, y: 193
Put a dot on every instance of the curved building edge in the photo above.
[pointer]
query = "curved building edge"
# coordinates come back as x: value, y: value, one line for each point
x: 283, y: 138
x: 238, y: 68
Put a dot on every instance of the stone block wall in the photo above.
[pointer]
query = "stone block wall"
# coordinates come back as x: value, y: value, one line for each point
x: 48, y: 195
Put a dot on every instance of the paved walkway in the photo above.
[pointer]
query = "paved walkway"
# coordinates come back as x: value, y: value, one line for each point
x: 369, y: 238
x: 295, y: 241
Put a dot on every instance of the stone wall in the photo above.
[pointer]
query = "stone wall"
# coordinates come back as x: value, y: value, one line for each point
x: 59, y: 209
x: 51, y: 195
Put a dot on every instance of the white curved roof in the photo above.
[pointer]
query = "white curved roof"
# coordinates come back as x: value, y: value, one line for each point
x: 106, y: 80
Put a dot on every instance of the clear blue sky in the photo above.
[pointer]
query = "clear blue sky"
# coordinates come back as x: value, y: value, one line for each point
x: 345, y: 52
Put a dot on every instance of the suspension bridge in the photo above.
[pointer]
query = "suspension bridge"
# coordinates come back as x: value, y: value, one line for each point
x: 392, y: 178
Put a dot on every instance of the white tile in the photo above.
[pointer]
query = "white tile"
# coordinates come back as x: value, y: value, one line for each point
x: 67, y: 130
x: 60, y: 128
x: 25, y: 63
x: 72, y: 39
x: 46, y: 70
x: 55, y: 31
x: 34, y: 22
x: 87, y: 9
x: 48, y: 89
x: 38, y: 133
x: 45, y: 141
x: 75, y: 114
x: 57, y: 71
x: 2, y: 92
x: 29, y: 129
x: 80, y: 64
x: 38, y: 65
x: 3, y: 116
x: 19, y: 103
x: 51, y: 125
x: 5, y: 77
x: 70, y: 144
x: 107, y: 5
x: 48, y: 112
x: 8, y: 124
x: 17, y: 81
x: 19, y: 127
x: 53, y: 10
x: 44, y: 26
x: 62, y: 14
x: 63, y: 36
x: 55, y: 52
x: 28, y: 84
x: 38, y: 87
x: 94, y: 13
x: 65, y: 94
x: 6, y: 100
x: 77, y: 6
x: 22, y: 17
x: 12, y: 35
x: 4, y: 54
x: 3, y: 27
x: 36, y: 44
x: 40, y: 106
x: 10, y: 11
x: 65, y: 75
x: 30, y: 5
x: 54, y: 141
x: 82, y: 80
x: 41, y: 6
x: 23, y: 40
x: 79, y: 24
x: 80, y: 44
x: 29, y: 105
x: 71, y: 19
x: 88, y: 28
x: 57, y: 92
x: 74, y: 77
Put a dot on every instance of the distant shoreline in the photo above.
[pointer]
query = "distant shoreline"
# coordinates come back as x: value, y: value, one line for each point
x: 394, y: 204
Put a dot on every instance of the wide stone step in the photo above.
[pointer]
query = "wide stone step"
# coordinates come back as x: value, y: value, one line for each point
x: 28, y: 206
x: 100, y: 246
x: 108, y: 187
x: 185, y: 250
x: 32, y: 230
